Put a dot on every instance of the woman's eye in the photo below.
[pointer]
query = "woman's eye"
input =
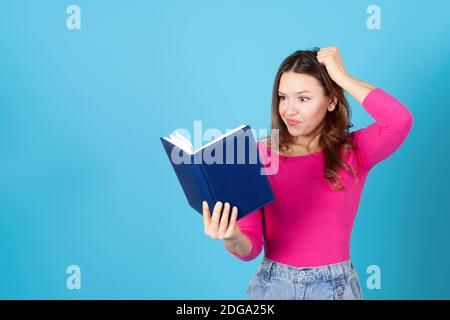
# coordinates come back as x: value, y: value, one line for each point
x: 302, y: 99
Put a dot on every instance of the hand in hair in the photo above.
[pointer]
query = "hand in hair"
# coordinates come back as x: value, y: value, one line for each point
x: 331, y: 58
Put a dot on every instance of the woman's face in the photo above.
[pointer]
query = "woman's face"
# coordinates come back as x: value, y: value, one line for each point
x: 303, y: 105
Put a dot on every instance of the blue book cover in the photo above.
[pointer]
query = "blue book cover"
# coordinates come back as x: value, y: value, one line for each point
x: 227, y: 169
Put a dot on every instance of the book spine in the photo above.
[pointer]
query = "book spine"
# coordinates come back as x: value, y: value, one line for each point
x: 203, y: 184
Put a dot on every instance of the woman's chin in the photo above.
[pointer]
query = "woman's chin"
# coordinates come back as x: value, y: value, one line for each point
x: 295, y: 132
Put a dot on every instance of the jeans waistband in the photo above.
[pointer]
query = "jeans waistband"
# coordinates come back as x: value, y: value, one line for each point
x: 270, y: 268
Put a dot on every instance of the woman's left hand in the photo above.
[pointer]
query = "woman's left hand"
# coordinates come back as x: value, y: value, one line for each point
x: 331, y: 58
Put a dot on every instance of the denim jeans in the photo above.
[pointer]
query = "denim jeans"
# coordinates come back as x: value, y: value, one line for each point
x: 277, y: 281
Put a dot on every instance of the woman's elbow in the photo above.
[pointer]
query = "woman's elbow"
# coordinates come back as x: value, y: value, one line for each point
x: 409, y: 120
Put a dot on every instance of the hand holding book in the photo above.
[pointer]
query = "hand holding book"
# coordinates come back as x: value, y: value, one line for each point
x: 227, y: 169
x: 220, y: 225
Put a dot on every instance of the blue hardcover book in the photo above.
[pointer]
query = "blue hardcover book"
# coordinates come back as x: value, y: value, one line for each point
x: 227, y: 169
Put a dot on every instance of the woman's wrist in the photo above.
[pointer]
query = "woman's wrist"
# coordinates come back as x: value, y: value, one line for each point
x: 344, y: 80
x: 236, y: 237
x: 239, y: 244
x: 356, y: 88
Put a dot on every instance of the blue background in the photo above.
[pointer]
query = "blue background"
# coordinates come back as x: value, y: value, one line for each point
x: 83, y: 176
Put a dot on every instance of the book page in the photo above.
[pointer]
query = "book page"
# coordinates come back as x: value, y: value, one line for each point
x: 186, y: 147
x: 220, y: 137
x: 184, y: 144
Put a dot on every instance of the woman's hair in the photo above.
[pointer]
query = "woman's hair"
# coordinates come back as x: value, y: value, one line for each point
x: 334, y: 135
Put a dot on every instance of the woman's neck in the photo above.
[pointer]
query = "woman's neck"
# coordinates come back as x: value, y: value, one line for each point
x: 300, y: 146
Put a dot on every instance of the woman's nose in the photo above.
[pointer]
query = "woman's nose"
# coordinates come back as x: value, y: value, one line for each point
x: 292, y: 109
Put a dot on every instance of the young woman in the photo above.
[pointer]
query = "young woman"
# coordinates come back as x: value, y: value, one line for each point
x: 321, y: 174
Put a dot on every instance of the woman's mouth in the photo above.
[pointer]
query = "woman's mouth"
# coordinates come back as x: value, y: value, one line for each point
x: 293, y: 122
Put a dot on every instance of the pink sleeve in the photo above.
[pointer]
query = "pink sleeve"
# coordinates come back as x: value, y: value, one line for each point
x: 393, y: 122
x: 251, y: 226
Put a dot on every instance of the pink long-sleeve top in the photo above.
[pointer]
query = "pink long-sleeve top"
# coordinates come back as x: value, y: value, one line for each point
x: 308, y: 224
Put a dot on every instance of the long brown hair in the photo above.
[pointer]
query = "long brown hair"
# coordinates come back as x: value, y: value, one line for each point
x: 334, y: 130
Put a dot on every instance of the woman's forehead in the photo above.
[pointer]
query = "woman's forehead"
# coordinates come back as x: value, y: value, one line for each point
x: 292, y: 82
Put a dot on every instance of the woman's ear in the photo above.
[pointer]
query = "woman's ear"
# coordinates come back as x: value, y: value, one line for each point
x: 333, y: 104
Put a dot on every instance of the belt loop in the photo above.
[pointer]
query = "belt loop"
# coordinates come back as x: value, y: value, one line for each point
x: 346, y: 267
x: 271, y: 267
x: 343, y: 267
x: 333, y: 270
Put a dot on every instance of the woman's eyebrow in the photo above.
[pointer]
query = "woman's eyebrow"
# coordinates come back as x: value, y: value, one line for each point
x: 279, y: 92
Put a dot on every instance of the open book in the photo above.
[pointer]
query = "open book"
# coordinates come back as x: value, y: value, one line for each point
x: 239, y: 181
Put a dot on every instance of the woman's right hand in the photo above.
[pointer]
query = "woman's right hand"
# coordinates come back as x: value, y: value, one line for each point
x: 220, y: 225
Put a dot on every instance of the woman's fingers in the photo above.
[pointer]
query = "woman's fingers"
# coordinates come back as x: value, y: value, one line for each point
x: 224, y: 221
x: 206, y: 216
x: 233, y: 219
x: 232, y: 224
x: 328, y: 49
x: 327, y: 52
x: 216, y: 216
